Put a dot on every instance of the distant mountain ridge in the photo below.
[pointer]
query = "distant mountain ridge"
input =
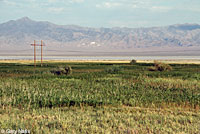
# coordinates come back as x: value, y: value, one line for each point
x: 20, y: 33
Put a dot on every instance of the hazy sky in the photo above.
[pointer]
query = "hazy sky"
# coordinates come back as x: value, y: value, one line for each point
x: 104, y: 13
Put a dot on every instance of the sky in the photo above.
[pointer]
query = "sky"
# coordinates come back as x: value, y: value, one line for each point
x: 103, y: 13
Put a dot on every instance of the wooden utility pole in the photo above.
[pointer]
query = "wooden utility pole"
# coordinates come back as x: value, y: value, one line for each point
x: 34, y: 54
x: 35, y: 51
x: 41, y: 52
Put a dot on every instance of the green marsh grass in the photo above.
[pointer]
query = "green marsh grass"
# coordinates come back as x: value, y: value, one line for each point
x: 100, y: 98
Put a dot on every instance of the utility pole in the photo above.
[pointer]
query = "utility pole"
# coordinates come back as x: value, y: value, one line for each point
x: 35, y: 51
x: 34, y: 54
x: 41, y: 52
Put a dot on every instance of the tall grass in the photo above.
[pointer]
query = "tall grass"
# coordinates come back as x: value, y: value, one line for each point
x: 100, y: 98
x: 113, y: 86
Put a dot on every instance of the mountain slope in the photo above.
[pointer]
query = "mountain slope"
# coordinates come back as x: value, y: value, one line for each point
x: 21, y: 33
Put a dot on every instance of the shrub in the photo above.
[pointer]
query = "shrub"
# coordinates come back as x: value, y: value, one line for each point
x: 158, y: 66
x: 133, y: 61
x: 68, y: 70
x: 62, y: 71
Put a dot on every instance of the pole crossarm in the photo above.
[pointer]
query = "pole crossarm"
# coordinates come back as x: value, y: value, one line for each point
x: 37, y: 45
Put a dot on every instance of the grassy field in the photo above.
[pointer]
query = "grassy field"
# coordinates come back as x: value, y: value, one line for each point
x: 100, y: 98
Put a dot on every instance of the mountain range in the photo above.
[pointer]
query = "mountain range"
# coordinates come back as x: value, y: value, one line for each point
x: 17, y: 35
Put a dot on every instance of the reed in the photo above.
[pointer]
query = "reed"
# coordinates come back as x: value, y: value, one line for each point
x: 118, y: 92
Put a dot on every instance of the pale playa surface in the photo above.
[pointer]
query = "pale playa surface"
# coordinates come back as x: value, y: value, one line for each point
x: 103, y: 61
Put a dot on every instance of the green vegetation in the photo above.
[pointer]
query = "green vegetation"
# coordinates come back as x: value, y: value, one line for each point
x: 133, y: 61
x: 100, y: 98
x: 159, y: 66
x: 113, y: 69
x: 62, y: 71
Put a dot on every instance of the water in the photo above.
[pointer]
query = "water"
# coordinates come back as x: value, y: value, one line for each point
x: 102, y: 57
